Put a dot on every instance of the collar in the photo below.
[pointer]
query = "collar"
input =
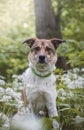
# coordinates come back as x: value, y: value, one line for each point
x: 39, y: 75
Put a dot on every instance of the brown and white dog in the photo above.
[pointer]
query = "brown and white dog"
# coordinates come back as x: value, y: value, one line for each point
x: 39, y: 78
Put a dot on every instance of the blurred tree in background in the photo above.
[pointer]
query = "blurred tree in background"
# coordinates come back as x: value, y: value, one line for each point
x: 47, y: 21
x: 17, y: 22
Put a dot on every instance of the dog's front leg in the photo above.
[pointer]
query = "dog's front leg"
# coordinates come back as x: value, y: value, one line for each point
x: 50, y: 97
x: 52, y: 110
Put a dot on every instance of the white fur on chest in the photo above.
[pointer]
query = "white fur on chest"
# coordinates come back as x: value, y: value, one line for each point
x: 35, y: 82
x: 39, y: 89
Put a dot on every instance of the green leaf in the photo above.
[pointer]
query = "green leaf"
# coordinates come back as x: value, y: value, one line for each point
x: 56, y: 118
x: 46, y: 123
x: 78, y: 119
x: 63, y: 109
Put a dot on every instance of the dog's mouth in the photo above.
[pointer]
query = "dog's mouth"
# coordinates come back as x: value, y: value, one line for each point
x: 42, y: 67
x: 42, y: 63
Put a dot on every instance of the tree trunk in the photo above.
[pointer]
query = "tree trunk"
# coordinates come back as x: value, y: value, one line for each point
x: 45, y: 19
x: 47, y: 23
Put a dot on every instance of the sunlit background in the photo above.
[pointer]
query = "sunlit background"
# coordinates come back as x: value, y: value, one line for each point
x: 17, y: 22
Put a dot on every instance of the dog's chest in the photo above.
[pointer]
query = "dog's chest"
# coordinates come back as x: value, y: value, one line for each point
x: 34, y: 82
x: 37, y: 89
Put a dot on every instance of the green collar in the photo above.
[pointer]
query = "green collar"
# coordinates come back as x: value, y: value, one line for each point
x: 42, y: 76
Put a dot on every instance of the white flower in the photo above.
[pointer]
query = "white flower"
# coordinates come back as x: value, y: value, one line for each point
x: 6, y: 98
x: 76, y: 70
x: 82, y: 69
x: 18, y: 83
x: 73, y: 80
x: 9, y: 91
x: 5, y: 119
x: 63, y: 93
x: 1, y: 90
x: 14, y: 76
x: 2, y: 82
x: 62, y: 98
x: 70, y: 94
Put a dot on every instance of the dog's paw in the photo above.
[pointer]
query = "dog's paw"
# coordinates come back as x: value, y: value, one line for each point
x: 55, y: 125
x: 41, y: 113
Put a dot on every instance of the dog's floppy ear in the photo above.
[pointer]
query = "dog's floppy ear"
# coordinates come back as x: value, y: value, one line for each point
x: 29, y: 41
x: 56, y: 42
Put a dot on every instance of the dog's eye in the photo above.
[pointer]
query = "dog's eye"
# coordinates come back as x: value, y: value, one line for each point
x: 37, y: 48
x: 48, y: 49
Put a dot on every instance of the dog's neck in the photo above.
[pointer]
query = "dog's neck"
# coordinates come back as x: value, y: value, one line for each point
x: 40, y: 75
x: 42, y: 71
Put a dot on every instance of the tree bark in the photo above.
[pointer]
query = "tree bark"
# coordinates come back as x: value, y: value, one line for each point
x: 45, y: 19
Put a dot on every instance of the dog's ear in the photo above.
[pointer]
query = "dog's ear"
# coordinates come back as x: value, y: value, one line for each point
x: 29, y: 41
x: 56, y: 42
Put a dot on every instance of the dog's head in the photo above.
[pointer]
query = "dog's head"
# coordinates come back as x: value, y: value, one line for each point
x: 42, y: 51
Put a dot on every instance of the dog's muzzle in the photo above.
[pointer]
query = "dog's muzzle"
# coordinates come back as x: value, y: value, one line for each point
x: 42, y: 59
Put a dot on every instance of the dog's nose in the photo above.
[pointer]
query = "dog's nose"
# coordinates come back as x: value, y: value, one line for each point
x: 41, y: 58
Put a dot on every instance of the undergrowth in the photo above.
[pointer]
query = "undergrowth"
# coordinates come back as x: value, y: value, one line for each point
x: 70, y: 102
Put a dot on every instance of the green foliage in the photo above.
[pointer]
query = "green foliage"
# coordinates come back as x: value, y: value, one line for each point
x: 15, y: 26
x: 72, y: 28
x: 70, y: 106
x: 70, y: 109
x: 74, y: 51
x: 47, y: 124
x: 71, y: 18
x: 13, y: 59
x: 8, y: 101
x: 73, y: 25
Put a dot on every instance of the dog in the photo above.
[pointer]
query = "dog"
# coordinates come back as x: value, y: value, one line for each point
x: 40, y: 91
